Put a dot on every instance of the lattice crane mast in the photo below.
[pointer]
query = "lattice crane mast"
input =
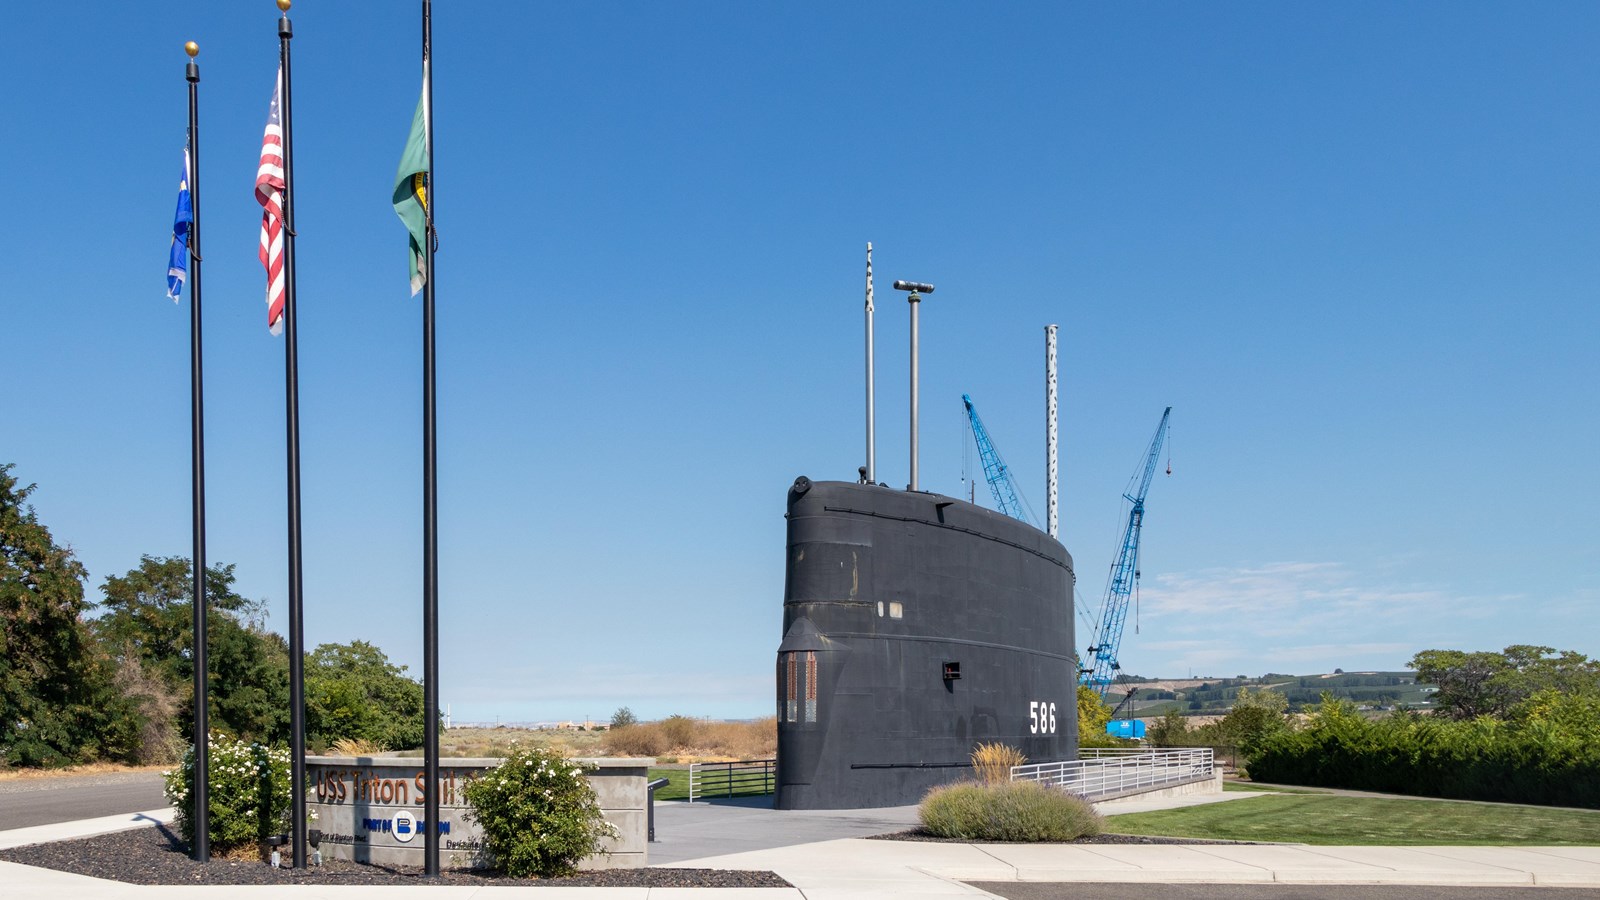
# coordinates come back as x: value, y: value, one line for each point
x: 995, y: 470
x: 1103, y: 666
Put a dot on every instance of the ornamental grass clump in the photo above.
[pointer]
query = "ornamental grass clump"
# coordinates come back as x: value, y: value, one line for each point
x: 992, y: 763
x: 352, y: 746
x: 247, y: 792
x: 539, y: 815
x: 1021, y: 811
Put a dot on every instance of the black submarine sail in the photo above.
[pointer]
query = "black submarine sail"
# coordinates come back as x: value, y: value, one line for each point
x: 915, y: 626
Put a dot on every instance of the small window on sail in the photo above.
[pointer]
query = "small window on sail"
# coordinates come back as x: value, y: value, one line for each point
x: 896, y: 610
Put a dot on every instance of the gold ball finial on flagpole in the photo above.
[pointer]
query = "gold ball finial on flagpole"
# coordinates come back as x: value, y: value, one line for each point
x: 192, y: 49
x: 283, y: 5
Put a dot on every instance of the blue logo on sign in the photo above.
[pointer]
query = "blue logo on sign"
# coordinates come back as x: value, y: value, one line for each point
x: 405, y: 826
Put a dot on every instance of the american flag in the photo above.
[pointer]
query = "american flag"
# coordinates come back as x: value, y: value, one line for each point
x: 269, y: 193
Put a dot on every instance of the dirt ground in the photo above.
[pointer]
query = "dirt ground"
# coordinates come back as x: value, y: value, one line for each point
x: 91, y: 769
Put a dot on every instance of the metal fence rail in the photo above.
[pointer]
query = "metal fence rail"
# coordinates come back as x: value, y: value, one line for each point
x: 1113, y: 772
x: 1225, y: 758
x: 732, y: 779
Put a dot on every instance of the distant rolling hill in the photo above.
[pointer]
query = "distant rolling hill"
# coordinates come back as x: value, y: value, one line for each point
x: 1214, y: 696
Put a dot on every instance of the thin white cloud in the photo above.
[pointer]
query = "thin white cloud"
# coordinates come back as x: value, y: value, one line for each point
x: 1297, y: 617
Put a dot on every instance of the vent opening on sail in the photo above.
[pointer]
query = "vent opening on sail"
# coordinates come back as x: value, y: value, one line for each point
x: 811, y: 685
x: 790, y: 681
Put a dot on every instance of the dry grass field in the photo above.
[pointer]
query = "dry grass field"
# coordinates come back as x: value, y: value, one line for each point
x: 682, y: 739
x: 677, y: 739
x: 493, y: 742
x: 674, y: 740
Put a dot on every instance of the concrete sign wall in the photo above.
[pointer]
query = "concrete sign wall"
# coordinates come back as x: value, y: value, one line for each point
x: 369, y: 810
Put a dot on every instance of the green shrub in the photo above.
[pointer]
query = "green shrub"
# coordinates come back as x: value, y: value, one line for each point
x: 538, y: 813
x: 1548, y: 759
x: 1015, y: 811
x: 679, y: 731
x: 635, y: 740
x: 247, y: 792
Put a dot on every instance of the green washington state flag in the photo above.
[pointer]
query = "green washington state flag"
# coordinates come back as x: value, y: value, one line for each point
x: 411, y: 192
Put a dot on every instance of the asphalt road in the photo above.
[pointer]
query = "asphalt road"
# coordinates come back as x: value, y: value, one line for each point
x: 45, y: 801
x: 1032, y: 890
x: 713, y: 828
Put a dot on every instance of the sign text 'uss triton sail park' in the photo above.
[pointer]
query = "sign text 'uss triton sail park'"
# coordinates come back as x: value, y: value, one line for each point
x: 370, y: 810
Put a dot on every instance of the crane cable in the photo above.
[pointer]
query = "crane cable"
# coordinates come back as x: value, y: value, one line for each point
x: 962, y: 432
x: 1169, y: 449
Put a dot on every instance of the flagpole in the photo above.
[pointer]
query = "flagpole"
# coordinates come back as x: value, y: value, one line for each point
x: 200, y: 848
x: 297, y: 718
x: 430, y: 488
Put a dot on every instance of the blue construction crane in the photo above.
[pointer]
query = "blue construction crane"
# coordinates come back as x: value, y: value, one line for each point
x: 1103, y: 667
x: 994, y: 468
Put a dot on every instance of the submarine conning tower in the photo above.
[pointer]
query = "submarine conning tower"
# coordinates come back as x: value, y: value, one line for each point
x: 915, y: 626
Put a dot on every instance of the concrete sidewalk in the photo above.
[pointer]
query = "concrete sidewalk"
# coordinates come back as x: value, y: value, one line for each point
x: 859, y: 868
x: 66, y: 831
x: 852, y: 868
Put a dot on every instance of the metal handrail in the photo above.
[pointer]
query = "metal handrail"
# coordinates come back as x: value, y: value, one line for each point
x: 650, y: 819
x: 724, y: 779
x: 1105, y: 772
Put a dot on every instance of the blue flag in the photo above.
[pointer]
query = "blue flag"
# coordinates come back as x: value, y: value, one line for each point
x: 178, y: 264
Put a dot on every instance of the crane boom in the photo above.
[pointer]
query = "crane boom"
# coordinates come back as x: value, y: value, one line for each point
x: 1103, y: 666
x: 994, y: 468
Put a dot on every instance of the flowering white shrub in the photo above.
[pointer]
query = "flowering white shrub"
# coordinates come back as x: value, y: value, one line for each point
x: 538, y: 813
x: 247, y: 792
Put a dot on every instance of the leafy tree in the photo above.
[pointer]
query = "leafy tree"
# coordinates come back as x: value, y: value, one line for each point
x: 353, y: 691
x: 1467, y: 688
x: 1491, y: 684
x: 623, y: 717
x: 1255, y: 716
x: 1093, y: 714
x: 149, y: 616
x: 1572, y: 714
x: 1533, y: 669
x: 1171, y: 730
x: 249, y: 684
x: 58, y: 704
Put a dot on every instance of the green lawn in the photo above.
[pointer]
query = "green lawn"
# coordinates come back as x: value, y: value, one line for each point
x: 679, y: 787
x: 1247, y: 786
x: 1334, y: 820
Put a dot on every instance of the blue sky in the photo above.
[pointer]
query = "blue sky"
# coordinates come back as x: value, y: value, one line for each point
x: 1352, y: 246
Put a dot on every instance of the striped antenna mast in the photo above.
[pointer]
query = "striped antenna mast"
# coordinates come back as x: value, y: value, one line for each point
x: 1052, y: 509
x: 871, y: 471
